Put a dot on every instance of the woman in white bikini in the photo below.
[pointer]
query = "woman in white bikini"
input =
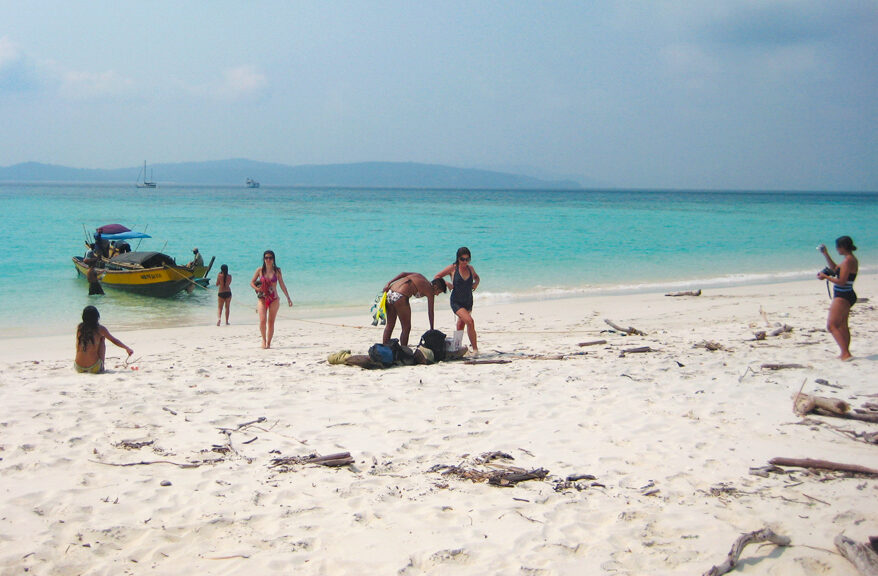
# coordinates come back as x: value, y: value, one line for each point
x: 404, y: 286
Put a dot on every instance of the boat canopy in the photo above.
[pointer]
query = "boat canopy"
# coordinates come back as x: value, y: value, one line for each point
x: 145, y: 259
x: 112, y: 229
x: 125, y: 235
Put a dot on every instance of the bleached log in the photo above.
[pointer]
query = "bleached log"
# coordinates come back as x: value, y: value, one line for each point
x: 764, y: 535
x: 685, y: 293
x: 822, y: 465
x: 805, y: 403
x: 863, y: 557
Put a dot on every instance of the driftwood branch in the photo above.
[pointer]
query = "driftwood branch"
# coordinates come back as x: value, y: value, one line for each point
x: 861, y: 417
x: 685, y: 293
x: 330, y: 460
x: 764, y: 535
x: 709, y: 345
x: 782, y: 330
x: 863, y: 557
x: 513, y: 478
x: 867, y: 437
x: 822, y: 465
x: 627, y: 331
x: 762, y: 334
x: 805, y: 403
x: 638, y: 350
x: 781, y: 366
x: 592, y: 343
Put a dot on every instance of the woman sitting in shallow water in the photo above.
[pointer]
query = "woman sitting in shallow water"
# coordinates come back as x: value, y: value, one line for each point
x: 91, y: 346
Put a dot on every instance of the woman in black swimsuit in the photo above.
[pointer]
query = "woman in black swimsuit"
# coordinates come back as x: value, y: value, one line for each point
x: 464, y: 282
x: 224, y: 296
x: 843, y: 295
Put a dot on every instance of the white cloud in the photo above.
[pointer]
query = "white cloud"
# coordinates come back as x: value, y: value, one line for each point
x: 9, y: 53
x: 87, y: 85
x: 242, y: 81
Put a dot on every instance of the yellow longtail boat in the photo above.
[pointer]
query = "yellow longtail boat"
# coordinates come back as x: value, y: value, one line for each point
x: 146, y: 273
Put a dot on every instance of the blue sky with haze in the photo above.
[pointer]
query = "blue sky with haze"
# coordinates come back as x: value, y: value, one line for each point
x: 653, y: 94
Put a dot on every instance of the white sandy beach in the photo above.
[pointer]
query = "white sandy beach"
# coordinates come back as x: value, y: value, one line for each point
x: 669, y: 436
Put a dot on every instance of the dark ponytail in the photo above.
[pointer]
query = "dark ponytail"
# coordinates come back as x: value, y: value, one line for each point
x: 845, y: 242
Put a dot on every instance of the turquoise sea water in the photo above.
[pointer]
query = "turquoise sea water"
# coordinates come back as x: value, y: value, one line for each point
x: 337, y: 247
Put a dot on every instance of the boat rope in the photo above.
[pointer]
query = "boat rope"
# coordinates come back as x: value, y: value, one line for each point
x: 336, y: 325
x: 184, y: 277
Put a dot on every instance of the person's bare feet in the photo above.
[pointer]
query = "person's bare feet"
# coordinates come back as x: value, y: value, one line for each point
x: 846, y: 358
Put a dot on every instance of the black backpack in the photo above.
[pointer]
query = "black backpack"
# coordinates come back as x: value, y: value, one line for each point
x: 435, y: 341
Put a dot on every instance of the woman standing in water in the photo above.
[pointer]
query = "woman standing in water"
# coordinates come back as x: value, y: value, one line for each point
x: 265, y: 281
x: 843, y: 295
x: 224, y: 293
x: 464, y: 282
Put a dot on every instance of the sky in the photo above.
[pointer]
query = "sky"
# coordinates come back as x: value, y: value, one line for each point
x: 767, y: 95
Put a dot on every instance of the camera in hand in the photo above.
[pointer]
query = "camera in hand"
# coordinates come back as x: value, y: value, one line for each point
x: 829, y: 272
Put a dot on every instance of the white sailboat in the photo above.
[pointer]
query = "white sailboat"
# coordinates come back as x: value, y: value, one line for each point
x: 145, y: 183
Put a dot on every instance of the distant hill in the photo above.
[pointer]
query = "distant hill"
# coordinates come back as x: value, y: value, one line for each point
x: 235, y: 172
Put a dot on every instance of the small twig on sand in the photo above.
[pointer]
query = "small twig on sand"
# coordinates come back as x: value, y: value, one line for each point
x: 146, y: 463
x: 781, y: 366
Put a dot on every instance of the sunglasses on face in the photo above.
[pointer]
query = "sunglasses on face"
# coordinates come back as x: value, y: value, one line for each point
x: 268, y: 257
x: 464, y: 258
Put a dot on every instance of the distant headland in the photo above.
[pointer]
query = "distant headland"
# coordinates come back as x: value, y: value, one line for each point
x: 235, y: 172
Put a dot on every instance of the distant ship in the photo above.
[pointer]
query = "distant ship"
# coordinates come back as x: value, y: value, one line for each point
x: 145, y: 183
x: 251, y: 183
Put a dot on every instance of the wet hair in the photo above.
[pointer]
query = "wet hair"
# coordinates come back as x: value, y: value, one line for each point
x: 439, y: 283
x: 462, y: 251
x: 87, y: 329
x: 266, y: 253
x: 224, y: 269
x: 845, y: 242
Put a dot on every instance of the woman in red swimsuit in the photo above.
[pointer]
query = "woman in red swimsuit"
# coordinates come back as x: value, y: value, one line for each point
x: 265, y: 281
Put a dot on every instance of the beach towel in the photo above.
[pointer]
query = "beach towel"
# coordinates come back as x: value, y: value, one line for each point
x: 379, y: 310
x: 339, y: 357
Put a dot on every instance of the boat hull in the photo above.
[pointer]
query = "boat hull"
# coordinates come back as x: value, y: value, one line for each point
x: 161, y: 282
